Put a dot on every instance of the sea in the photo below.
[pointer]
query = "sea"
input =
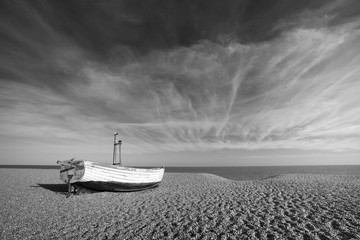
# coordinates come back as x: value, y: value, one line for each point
x: 243, y: 173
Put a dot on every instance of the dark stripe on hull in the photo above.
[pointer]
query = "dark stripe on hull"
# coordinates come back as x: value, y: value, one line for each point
x: 116, y: 186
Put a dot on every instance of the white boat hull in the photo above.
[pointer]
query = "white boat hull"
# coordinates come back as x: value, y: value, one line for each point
x: 99, y: 176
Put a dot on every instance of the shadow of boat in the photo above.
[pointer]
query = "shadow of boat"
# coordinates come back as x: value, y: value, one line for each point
x: 58, y: 188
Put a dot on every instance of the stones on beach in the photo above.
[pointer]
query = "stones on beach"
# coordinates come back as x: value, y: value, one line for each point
x: 186, y: 206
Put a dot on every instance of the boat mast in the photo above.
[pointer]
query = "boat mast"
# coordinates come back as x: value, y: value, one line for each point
x: 114, y: 152
x: 119, y: 143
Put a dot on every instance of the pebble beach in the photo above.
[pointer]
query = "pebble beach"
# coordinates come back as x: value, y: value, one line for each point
x: 185, y: 206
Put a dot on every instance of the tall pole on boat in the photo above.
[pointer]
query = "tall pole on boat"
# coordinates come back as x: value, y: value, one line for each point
x: 119, y: 143
x: 114, y: 152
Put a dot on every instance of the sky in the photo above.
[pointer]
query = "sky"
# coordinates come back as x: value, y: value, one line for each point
x: 184, y: 83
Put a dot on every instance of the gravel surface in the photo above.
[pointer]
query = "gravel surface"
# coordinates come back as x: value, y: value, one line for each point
x: 184, y: 206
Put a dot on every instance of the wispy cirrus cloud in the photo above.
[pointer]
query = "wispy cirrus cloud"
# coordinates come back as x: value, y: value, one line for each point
x: 295, y: 92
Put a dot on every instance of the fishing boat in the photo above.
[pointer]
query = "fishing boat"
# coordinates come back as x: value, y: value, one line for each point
x: 106, y: 177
